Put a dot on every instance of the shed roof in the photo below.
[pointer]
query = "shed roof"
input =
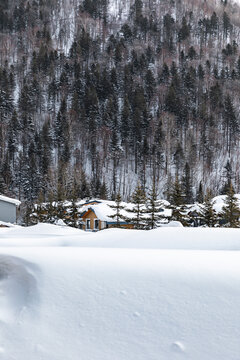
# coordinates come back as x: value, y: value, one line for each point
x: 10, y: 200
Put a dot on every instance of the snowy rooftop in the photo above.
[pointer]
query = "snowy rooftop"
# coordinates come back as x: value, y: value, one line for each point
x: 10, y: 200
x: 104, y: 211
x: 218, y: 203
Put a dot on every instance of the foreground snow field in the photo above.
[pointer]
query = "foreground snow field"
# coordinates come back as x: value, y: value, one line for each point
x: 170, y: 293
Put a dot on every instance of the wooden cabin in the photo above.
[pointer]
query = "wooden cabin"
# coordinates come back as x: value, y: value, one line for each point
x: 96, y: 216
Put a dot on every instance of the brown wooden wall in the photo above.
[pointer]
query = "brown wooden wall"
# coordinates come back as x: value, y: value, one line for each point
x: 91, y: 216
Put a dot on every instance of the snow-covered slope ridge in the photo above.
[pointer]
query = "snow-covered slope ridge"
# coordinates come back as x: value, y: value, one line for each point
x: 111, y: 296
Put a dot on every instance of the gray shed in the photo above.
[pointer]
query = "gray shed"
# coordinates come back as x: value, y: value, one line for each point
x: 8, y: 209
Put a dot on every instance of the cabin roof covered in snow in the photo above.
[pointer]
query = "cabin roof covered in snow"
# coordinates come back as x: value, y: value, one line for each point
x: 10, y: 200
x: 104, y: 211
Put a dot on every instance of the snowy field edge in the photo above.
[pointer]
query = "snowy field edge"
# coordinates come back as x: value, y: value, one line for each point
x: 43, y: 235
x: 119, y: 294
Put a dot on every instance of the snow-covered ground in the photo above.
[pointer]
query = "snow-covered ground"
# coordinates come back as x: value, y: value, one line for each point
x: 170, y: 293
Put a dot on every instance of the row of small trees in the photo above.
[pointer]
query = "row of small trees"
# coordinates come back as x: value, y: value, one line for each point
x: 143, y: 214
x: 146, y: 211
x: 228, y: 217
x: 53, y: 212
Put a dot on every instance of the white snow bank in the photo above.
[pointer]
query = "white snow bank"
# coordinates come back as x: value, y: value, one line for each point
x: 104, y: 304
x: 119, y: 294
x: 17, y: 288
x: 6, y: 224
x: 47, y: 235
x: 172, y: 224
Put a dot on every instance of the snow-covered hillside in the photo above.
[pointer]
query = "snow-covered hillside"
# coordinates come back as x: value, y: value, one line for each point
x: 170, y: 293
x: 103, y: 95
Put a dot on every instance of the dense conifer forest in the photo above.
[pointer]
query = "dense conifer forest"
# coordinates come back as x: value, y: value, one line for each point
x: 97, y: 96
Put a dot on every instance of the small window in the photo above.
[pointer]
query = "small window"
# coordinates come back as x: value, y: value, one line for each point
x: 96, y: 223
x: 88, y: 227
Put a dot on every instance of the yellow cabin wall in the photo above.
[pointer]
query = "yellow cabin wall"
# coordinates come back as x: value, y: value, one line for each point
x: 92, y: 216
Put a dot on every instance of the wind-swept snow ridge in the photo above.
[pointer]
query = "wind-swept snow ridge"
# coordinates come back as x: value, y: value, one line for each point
x: 172, y: 238
x: 119, y: 294
x: 18, y: 288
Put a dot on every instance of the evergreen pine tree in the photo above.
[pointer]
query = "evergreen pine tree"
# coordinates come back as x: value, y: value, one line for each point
x: 177, y: 199
x: 117, y: 208
x: 231, y: 211
x: 150, y: 84
x: 73, y: 214
x: 187, y: 185
x: 2, y: 184
x: 207, y: 211
x: 228, y: 175
x: 103, y: 193
x: 30, y: 217
x: 125, y: 120
x: 153, y: 206
x: 184, y: 32
x: 138, y: 210
x: 172, y: 100
x: 200, y: 194
x: 41, y: 209
x: 164, y: 75
x: 60, y: 210
x: 51, y: 208
x: 227, y: 26
x: 231, y: 122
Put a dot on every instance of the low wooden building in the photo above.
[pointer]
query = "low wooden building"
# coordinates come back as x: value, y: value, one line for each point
x: 97, y: 216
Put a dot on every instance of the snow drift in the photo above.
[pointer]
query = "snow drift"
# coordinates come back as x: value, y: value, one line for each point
x: 108, y: 296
